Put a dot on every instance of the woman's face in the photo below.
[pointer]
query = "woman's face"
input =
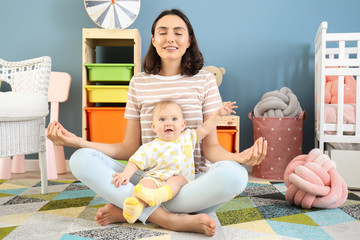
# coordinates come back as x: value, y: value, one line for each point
x: 171, y: 38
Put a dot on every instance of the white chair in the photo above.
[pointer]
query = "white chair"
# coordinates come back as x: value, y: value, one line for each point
x: 23, y: 112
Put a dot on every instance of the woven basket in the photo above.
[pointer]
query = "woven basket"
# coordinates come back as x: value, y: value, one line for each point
x: 284, y: 137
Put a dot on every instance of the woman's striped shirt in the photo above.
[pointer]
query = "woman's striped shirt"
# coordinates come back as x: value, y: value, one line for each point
x: 197, y: 95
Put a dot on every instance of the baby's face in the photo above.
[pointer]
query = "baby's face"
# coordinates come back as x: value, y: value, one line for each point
x: 168, y: 122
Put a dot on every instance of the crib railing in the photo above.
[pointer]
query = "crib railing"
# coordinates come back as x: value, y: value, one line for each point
x: 336, y: 54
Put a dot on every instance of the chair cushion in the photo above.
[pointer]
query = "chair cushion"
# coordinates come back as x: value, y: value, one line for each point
x: 17, y: 106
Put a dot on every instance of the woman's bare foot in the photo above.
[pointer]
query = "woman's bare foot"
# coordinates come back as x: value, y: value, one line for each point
x: 200, y: 223
x: 109, y: 214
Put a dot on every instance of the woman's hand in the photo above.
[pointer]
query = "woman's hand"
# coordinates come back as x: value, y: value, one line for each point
x: 61, y: 137
x: 253, y: 155
x: 227, y: 109
x: 120, y: 179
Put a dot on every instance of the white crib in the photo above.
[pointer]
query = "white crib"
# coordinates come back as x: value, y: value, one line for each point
x: 338, y: 54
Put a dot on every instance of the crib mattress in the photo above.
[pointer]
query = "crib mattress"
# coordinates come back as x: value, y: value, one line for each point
x: 330, y: 113
x: 349, y: 117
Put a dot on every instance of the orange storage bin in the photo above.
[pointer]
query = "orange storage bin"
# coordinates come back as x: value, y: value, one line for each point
x: 106, y: 124
x: 226, y: 138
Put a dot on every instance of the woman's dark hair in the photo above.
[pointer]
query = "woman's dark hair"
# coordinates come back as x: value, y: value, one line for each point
x: 192, y: 61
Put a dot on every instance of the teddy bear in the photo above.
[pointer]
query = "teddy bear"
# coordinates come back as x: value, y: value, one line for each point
x: 217, y: 72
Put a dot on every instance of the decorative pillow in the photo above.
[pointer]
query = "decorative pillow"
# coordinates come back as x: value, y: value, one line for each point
x: 313, y: 181
x: 17, y: 106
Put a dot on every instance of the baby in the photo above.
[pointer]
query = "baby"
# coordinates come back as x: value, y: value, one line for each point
x: 168, y: 161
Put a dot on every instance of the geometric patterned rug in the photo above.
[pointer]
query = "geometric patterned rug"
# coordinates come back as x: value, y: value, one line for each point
x: 260, y: 212
x: 263, y: 208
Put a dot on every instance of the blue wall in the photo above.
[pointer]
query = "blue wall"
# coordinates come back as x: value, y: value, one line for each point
x: 263, y: 44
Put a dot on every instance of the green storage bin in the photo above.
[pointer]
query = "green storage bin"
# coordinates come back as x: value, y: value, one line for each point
x: 110, y: 72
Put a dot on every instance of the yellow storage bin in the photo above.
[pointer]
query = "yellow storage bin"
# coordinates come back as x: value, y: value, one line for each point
x: 107, y: 93
x: 107, y: 72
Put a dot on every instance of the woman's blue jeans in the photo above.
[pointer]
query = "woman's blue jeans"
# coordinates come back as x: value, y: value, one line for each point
x: 223, y: 181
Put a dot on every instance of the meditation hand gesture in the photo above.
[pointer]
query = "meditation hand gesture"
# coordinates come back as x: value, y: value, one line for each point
x: 227, y: 109
x: 253, y: 155
x: 62, y: 137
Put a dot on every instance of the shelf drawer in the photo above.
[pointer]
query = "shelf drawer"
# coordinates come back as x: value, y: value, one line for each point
x: 106, y: 124
x: 107, y: 93
x: 348, y: 165
x: 226, y: 138
x: 110, y: 72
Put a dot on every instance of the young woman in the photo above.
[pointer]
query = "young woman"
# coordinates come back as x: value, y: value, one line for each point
x: 172, y: 71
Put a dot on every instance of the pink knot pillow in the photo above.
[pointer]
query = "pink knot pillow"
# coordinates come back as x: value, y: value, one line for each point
x: 313, y: 181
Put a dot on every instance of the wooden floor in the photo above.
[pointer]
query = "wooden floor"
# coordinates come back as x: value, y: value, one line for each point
x: 36, y: 174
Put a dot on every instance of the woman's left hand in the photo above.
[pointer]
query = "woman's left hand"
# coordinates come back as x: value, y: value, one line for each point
x: 253, y: 155
x: 227, y: 109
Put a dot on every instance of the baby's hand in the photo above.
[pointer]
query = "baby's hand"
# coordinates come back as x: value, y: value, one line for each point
x: 227, y: 109
x: 120, y: 179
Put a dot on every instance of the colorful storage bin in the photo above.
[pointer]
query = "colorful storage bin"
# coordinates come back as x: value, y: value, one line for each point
x: 106, y: 124
x: 226, y: 138
x: 107, y: 93
x: 108, y: 72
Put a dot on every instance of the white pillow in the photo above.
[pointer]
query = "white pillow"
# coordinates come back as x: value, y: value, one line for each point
x: 17, y: 106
